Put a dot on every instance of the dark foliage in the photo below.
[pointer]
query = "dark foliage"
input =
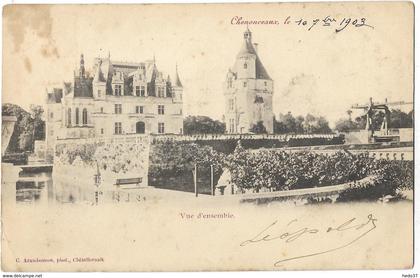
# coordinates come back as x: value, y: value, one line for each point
x: 28, y: 128
x: 258, y: 128
x: 309, y: 125
x: 203, y: 125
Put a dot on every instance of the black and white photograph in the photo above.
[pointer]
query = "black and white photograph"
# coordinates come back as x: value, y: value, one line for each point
x: 207, y: 137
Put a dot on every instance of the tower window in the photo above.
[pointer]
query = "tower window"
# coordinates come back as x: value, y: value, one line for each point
x: 231, y: 104
x: 231, y: 125
x: 245, y: 66
x: 161, y: 128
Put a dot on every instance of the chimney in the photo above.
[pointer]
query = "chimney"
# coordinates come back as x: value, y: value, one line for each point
x: 256, y: 47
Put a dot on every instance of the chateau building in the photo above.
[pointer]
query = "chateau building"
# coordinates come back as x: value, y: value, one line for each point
x: 119, y: 98
x: 248, y: 91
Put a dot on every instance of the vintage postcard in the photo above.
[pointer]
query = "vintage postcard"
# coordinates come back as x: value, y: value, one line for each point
x: 207, y: 137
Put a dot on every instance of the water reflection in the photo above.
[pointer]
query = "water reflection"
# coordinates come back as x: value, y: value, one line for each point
x: 38, y: 187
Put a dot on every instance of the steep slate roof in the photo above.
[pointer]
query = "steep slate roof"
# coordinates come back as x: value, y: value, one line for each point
x: 83, y: 86
x: 99, y: 76
x: 248, y: 48
x: 177, y: 79
x: 104, y: 70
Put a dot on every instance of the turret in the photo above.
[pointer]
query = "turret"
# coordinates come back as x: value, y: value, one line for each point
x: 82, y: 66
x: 99, y: 83
x: 177, y: 87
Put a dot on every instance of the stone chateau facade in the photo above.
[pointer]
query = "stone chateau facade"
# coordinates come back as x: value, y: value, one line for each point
x: 119, y: 98
x: 248, y: 91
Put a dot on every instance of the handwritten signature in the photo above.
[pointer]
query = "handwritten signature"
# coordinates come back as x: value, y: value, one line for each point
x: 267, y: 234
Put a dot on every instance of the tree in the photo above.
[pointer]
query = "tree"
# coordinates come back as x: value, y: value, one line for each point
x: 288, y: 124
x: 28, y: 127
x: 400, y: 119
x: 346, y: 125
x: 39, y: 125
x: 258, y: 128
x: 203, y: 125
x: 314, y: 124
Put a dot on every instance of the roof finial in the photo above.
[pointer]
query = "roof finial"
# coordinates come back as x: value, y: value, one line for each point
x: 109, y: 54
x: 154, y: 59
x: 82, y: 66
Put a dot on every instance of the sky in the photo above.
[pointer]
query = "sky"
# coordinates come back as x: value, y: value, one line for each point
x: 318, y: 71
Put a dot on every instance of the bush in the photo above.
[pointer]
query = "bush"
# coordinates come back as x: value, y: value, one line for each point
x: 279, y: 170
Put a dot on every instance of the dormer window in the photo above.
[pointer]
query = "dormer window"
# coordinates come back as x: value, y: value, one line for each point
x: 161, y: 92
x: 117, y: 90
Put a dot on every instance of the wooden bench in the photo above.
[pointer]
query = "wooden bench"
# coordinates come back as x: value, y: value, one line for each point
x: 120, y: 182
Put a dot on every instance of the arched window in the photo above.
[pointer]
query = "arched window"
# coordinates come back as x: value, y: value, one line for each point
x: 69, y: 117
x: 245, y: 66
x: 77, y: 116
x: 84, y: 116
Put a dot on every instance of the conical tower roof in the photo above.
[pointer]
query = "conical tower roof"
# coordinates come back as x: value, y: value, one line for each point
x: 177, y: 79
x: 248, y: 49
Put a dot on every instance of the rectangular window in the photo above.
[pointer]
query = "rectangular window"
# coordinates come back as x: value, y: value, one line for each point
x: 102, y: 131
x: 161, y: 128
x: 139, y: 109
x: 245, y: 84
x: 231, y: 125
x: 142, y: 91
x: 118, y: 108
x: 102, y: 110
x: 161, y: 109
x: 118, y: 128
x: 51, y: 132
x: 117, y: 90
x: 161, y: 92
x: 99, y: 93
x: 138, y: 91
x: 231, y: 104
x: 51, y: 115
